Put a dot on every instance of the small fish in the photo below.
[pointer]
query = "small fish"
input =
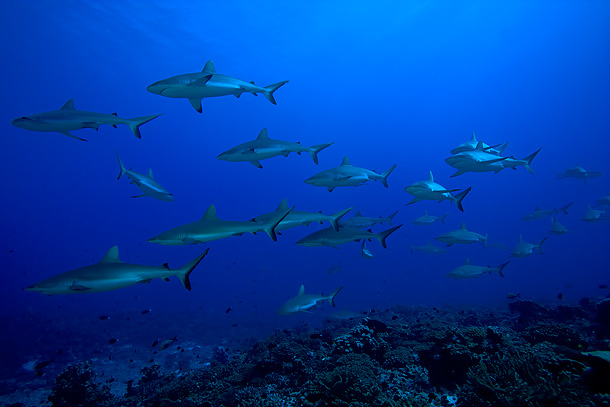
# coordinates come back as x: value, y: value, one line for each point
x: 512, y: 296
x: 155, y: 343
x: 228, y: 310
x: 394, y: 317
x: 42, y: 365
x: 103, y: 317
x: 560, y: 296
x: 146, y: 311
x: 603, y: 286
x: 166, y: 344
x: 113, y: 341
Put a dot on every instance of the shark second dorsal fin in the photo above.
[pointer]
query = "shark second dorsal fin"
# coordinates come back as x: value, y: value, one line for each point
x: 358, y: 215
x: 283, y: 206
x: 467, y: 261
x: 345, y: 161
x: 150, y: 174
x: 473, y: 138
x: 302, y: 290
x: 69, y: 105
x: 463, y: 227
x: 520, y: 238
x: 431, y: 177
x: 209, y: 67
x: 112, y: 256
x: 210, y: 213
x: 263, y: 135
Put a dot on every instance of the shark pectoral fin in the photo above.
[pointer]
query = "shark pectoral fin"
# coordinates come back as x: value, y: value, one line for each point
x: 330, y: 189
x: 65, y: 133
x: 145, y: 281
x: 201, y: 81
x: 458, y: 172
x: 196, y: 103
x: 165, y: 278
x: 79, y: 287
x: 139, y: 196
x: 256, y: 164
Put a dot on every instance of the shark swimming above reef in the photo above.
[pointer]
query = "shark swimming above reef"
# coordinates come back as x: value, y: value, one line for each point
x: 346, y: 175
x: 146, y: 183
x: 305, y: 302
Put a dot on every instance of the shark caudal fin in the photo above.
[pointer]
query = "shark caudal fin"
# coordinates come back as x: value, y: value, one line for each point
x: 565, y: 208
x: 335, y: 217
x: 529, y: 160
x: 270, y: 226
x: 389, y: 218
x: 185, y: 271
x: 122, y: 170
x: 135, y: 123
x: 443, y: 218
x: 268, y: 92
x: 314, y: 150
x: 384, y: 176
x: 501, y: 267
x: 383, y: 235
x: 539, y: 245
x: 460, y: 197
x: 331, y: 297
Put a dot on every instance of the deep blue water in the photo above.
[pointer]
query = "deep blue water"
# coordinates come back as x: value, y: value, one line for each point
x: 389, y: 83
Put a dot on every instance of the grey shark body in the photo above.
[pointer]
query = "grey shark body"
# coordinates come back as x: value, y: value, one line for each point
x: 210, y: 228
x: 208, y: 83
x: 543, y: 213
x: 146, y: 183
x: 470, y: 271
x: 429, y: 249
x: 426, y: 219
x: 346, y: 175
x: 480, y: 160
x: 462, y: 235
x: 594, y: 215
x: 110, y: 274
x: 305, y: 302
x: 331, y: 237
x: 430, y: 190
x: 263, y: 147
x: 557, y: 228
x: 300, y: 218
x: 360, y: 222
x: 579, y: 173
x: 472, y: 144
x: 524, y: 249
x: 68, y: 118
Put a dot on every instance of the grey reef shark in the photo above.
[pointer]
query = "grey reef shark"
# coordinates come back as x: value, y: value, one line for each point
x: 579, y: 173
x: 263, y: 147
x: 207, y: 83
x: 543, y: 213
x: 210, y: 228
x: 470, y: 271
x: 346, y: 175
x: 360, y: 222
x: 68, y: 118
x: 479, y: 160
x: 110, y: 274
x: 426, y: 219
x: 472, y: 144
x: 462, y: 235
x: 525, y: 249
x: 331, y: 237
x: 305, y: 302
x: 430, y: 190
x: 146, y: 183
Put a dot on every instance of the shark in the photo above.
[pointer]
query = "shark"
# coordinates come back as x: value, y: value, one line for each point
x: 470, y: 271
x: 472, y: 145
x: 604, y: 201
x: 300, y: 218
x: 426, y: 219
x: 305, y: 302
x: 111, y: 274
x: 67, y: 119
x: 360, y: 222
x: 579, y: 173
x: 331, y: 237
x: 210, y: 228
x: 430, y: 190
x: 207, y: 83
x: 364, y: 251
x: 480, y: 160
x: 557, y: 228
x: 347, y: 175
x: 524, y: 249
x: 146, y: 183
x: 429, y: 249
x: 462, y: 235
x: 594, y: 215
x: 543, y: 213
x: 263, y: 147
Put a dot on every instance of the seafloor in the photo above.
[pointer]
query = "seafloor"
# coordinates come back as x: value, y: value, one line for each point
x: 525, y: 354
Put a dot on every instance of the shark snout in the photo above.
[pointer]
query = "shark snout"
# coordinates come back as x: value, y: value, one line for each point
x: 157, y: 88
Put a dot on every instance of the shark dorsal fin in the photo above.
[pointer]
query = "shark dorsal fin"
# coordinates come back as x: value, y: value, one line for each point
x: 112, y: 256
x: 283, y: 206
x: 345, y: 161
x: 69, y: 105
x: 467, y: 261
x: 431, y: 177
x: 473, y: 138
x: 425, y: 213
x: 114, y: 114
x: 480, y: 146
x: 210, y: 213
x: 463, y: 227
x: 358, y: 215
x: 302, y: 290
x: 520, y: 238
x: 150, y: 174
x: 263, y: 135
x: 537, y: 209
x: 209, y: 67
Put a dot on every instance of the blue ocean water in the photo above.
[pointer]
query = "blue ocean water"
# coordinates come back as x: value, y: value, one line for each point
x: 389, y: 83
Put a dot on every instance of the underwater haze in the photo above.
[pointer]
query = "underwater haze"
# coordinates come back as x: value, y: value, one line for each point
x: 388, y: 83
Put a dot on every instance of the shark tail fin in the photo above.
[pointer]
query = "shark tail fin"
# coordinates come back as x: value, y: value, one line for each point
x: 314, y: 150
x: 460, y: 197
x: 268, y: 92
x: 485, y: 241
x: 122, y: 171
x: 337, y: 216
x: 135, y: 123
x: 501, y: 267
x: 331, y: 297
x: 443, y: 218
x: 529, y: 160
x: 273, y: 222
x: 185, y: 271
x: 565, y: 208
x: 502, y: 147
x: 383, y: 235
x: 385, y: 175
x: 389, y: 218
x: 539, y: 244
